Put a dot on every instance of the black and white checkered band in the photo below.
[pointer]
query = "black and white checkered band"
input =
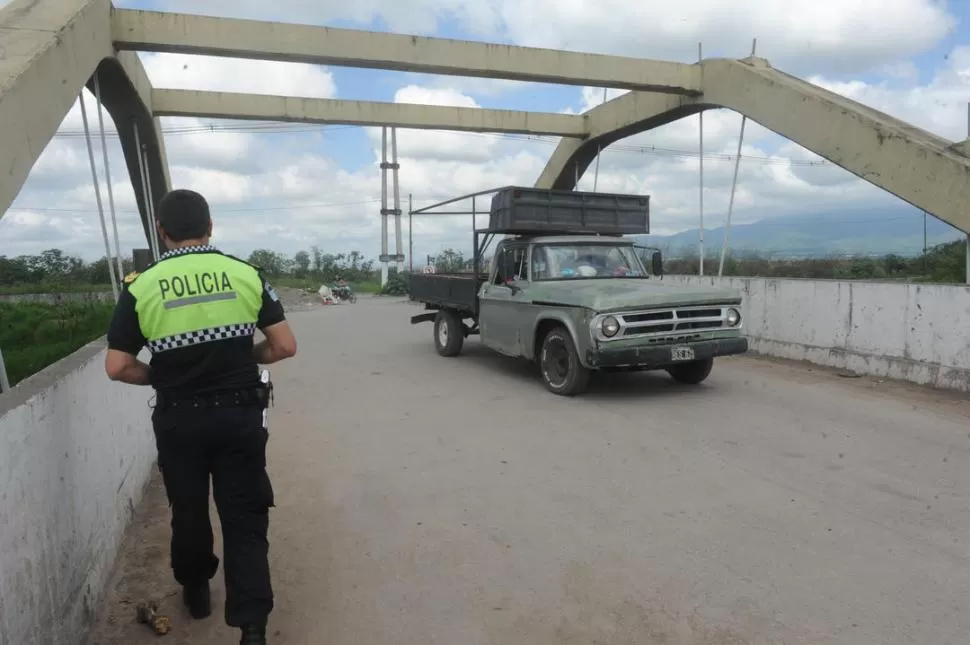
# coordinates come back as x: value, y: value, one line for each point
x: 185, y: 250
x: 201, y: 336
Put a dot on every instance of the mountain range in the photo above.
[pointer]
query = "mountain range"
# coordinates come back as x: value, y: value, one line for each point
x: 853, y: 232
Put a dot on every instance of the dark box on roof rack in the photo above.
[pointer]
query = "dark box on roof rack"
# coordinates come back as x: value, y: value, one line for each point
x: 533, y: 210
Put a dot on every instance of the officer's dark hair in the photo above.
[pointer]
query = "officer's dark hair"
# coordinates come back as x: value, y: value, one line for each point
x: 184, y: 215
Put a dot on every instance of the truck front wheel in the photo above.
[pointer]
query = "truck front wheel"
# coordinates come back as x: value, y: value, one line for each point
x: 562, y: 372
x: 691, y: 373
x: 449, y: 333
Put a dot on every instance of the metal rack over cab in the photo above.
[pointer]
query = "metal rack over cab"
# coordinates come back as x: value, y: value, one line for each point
x: 567, y: 289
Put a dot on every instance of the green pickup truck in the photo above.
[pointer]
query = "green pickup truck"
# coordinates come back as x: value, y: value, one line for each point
x: 565, y: 289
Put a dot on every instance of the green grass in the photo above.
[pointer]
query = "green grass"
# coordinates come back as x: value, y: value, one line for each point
x: 33, y: 336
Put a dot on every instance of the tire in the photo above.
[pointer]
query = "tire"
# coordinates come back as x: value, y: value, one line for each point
x: 353, y: 298
x: 691, y: 373
x: 449, y: 333
x: 559, y: 365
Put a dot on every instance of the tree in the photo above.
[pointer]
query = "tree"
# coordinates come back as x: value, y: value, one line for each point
x: 317, y: 258
x: 14, y: 270
x: 271, y: 262
x: 450, y: 261
x: 302, y: 263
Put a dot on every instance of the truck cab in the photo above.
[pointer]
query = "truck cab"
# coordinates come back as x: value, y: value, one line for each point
x: 579, y: 303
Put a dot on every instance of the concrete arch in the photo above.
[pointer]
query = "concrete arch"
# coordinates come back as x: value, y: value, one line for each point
x: 919, y: 167
x: 53, y: 49
x: 126, y: 95
x: 610, y: 122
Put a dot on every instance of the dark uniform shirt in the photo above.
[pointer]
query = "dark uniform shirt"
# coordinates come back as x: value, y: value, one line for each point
x: 196, y: 309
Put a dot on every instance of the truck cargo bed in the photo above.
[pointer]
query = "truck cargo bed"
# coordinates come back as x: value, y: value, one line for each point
x: 457, y: 291
x: 517, y: 209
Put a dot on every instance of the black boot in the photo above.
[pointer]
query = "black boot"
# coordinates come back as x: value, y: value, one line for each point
x: 253, y: 635
x: 197, y: 599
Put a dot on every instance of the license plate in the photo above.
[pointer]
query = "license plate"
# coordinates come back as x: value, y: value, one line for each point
x: 681, y: 353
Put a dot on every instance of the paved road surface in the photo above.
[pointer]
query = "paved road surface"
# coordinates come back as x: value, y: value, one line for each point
x: 424, y: 500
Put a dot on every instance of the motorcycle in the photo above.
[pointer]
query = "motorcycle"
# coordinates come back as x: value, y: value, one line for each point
x: 344, y: 293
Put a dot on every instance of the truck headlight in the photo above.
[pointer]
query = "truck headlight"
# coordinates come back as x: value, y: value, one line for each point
x: 610, y: 326
x: 733, y: 317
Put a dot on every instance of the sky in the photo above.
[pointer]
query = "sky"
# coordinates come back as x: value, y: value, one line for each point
x: 288, y: 187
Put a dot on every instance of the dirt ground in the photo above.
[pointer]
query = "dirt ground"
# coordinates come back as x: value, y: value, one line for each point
x: 298, y: 299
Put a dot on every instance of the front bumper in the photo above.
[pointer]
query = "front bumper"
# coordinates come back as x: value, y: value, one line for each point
x: 663, y: 355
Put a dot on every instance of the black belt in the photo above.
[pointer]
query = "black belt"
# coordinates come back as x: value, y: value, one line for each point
x: 232, y: 398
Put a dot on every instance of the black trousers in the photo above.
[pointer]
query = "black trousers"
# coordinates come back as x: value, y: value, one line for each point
x: 227, y: 442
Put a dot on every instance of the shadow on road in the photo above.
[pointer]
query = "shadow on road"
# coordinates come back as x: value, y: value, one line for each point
x: 602, y: 386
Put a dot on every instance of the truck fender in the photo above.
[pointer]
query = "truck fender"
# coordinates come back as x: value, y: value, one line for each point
x: 545, y: 318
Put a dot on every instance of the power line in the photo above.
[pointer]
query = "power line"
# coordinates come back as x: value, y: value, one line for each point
x: 213, y: 206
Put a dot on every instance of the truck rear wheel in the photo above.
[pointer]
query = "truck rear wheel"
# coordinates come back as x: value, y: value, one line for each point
x: 691, y: 373
x: 562, y: 373
x: 449, y: 333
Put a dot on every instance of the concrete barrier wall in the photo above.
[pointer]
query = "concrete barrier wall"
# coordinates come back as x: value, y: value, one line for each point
x: 914, y: 332
x: 75, y: 453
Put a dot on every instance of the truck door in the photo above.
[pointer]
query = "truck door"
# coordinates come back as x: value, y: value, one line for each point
x: 501, y: 299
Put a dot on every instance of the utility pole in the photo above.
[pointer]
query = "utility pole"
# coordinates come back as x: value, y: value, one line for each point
x: 410, y: 233
x: 384, y: 209
x: 398, y: 243
x: 700, y: 158
x: 392, y: 165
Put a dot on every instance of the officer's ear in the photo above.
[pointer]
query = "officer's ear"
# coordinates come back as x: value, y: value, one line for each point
x: 209, y: 234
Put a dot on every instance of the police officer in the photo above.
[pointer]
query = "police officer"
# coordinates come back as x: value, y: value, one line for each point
x: 197, y: 310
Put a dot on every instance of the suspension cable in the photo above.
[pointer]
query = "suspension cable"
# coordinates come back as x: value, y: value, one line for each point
x: 151, y: 204
x: 97, y: 196
x: 144, y: 188
x: 107, y: 178
x: 734, y: 184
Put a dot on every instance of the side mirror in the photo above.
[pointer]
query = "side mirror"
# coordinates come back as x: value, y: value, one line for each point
x: 657, y: 263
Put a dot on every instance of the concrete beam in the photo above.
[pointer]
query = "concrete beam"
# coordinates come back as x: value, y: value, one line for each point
x: 211, y: 36
x: 226, y: 105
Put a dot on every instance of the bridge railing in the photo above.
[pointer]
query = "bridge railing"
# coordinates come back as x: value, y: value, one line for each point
x: 913, y: 332
x: 75, y: 453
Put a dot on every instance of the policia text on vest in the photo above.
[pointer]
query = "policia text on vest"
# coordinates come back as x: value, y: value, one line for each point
x: 197, y: 311
x: 200, y: 287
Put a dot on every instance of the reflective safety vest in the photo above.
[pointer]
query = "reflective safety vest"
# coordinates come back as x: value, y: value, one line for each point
x: 196, y: 295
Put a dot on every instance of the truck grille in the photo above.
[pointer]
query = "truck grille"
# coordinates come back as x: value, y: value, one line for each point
x: 672, y: 325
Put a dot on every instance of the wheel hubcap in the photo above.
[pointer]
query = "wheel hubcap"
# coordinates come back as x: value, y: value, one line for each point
x: 555, y: 362
x: 443, y: 333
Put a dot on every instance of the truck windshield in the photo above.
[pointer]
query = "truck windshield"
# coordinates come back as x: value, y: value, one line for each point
x: 577, y: 261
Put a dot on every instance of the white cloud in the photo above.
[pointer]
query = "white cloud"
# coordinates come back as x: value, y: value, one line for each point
x: 187, y: 72
x: 289, y: 192
x: 437, y: 145
x: 837, y: 33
